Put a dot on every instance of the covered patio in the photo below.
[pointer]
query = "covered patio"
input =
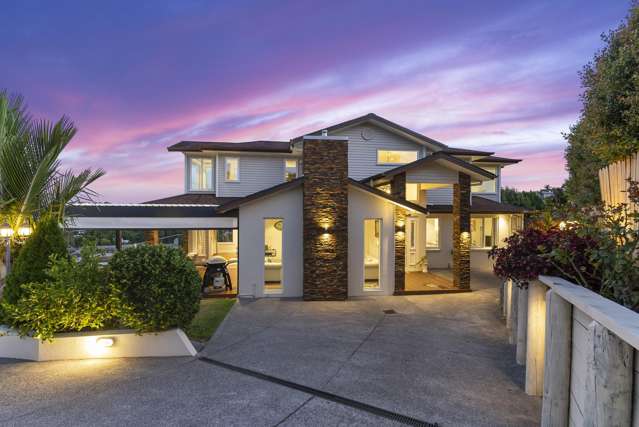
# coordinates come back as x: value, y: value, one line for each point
x: 196, y: 228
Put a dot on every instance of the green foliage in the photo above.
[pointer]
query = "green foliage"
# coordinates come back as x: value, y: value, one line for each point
x: 33, y: 260
x: 160, y: 285
x: 75, y: 296
x: 526, y: 199
x: 608, y: 129
x: 32, y: 183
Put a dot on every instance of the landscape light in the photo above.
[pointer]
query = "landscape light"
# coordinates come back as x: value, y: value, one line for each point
x: 105, y: 342
x: 25, y: 229
x: 6, y: 230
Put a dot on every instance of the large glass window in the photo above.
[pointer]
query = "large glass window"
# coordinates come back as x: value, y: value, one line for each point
x: 483, y: 232
x: 231, y: 169
x: 372, y: 253
x: 273, y: 259
x: 486, y: 186
x: 290, y: 169
x: 412, y: 192
x: 395, y: 157
x: 201, y: 171
x: 432, y: 233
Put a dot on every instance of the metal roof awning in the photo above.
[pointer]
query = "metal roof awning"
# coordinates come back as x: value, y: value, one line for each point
x: 107, y: 216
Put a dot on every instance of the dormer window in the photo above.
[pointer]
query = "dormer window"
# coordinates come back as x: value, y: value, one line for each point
x: 290, y: 169
x: 201, y: 174
x: 395, y: 157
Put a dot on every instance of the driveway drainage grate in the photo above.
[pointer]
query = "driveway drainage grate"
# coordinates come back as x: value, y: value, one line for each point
x: 390, y: 311
x: 394, y: 416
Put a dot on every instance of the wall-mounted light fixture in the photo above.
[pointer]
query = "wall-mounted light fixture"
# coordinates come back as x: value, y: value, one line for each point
x: 105, y: 342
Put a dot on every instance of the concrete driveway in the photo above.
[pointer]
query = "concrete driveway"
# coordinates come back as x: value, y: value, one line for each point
x: 439, y: 358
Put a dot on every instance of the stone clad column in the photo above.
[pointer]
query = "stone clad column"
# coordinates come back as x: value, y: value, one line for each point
x: 461, y: 232
x: 325, y: 214
x: 398, y: 189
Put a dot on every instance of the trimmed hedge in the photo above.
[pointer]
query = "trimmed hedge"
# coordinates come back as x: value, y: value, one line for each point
x: 33, y: 260
x: 159, y: 285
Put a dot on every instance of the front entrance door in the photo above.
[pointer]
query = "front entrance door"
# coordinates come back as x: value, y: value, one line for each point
x: 411, y: 244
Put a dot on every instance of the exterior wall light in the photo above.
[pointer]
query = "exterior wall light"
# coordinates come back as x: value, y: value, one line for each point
x: 105, y: 342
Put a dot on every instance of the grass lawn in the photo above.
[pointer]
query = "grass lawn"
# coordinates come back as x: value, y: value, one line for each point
x: 212, y: 312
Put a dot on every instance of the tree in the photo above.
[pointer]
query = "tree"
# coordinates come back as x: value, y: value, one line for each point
x: 31, y: 182
x: 608, y: 128
x: 526, y: 199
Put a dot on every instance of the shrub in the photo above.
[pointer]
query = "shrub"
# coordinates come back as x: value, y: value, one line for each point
x: 31, y: 264
x: 159, y: 285
x: 550, y: 250
x: 75, y: 296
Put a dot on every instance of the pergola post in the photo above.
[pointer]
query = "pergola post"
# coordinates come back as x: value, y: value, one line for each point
x: 152, y: 237
x: 118, y: 240
x: 461, y: 232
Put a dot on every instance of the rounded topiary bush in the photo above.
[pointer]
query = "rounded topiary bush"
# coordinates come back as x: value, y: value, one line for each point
x: 34, y: 258
x: 158, y: 285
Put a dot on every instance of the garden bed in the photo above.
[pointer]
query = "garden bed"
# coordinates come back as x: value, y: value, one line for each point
x: 95, y: 344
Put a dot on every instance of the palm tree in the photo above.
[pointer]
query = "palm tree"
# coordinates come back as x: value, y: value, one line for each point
x: 31, y: 182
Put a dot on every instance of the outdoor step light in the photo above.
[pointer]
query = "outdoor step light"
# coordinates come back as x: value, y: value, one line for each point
x: 105, y: 342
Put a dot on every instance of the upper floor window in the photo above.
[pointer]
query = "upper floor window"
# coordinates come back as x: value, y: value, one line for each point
x: 395, y: 157
x: 290, y: 169
x: 231, y: 169
x: 486, y: 186
x: 412, y: 192
x: 201, y: 171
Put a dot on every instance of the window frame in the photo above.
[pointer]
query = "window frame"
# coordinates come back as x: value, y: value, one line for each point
x: 202, y: 177
x: 379, y: 227
x: 439, y: 244
x: 379, y: 163
x: 494, y: 181
x: 226, y: 164
x: 494, y: 235
x: 297, y: 169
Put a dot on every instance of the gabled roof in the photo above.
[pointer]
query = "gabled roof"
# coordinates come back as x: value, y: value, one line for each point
x: 253, y: 146
x: 227, y: 207
x: 381, y: 122
x: 192, y: 199
x: 495, y: 159
x: 435, y: 157
x: 379, y: 193
x: 234, y: 204
x: 465, y: 152
x: 480, y: 205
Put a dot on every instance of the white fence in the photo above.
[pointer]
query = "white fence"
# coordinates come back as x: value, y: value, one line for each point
x: 580, y: 352
x: 613, y: 179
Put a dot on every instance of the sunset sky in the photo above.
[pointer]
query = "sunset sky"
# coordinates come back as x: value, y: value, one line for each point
x: 139, y: 76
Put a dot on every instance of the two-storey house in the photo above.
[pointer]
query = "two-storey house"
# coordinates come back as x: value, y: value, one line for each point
x: 364, y: 207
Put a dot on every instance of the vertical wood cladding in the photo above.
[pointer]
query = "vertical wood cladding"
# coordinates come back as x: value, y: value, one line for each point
x: 325, y: 164
x: 461, y: 232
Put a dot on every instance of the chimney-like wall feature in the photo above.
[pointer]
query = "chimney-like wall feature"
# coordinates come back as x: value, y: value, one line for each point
x: 398, y: 189
x: 325, y: 212
x: 461, y: 232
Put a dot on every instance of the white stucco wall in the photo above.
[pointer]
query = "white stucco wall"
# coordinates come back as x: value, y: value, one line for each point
x: 363, y: 206
x: 288, y: 206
